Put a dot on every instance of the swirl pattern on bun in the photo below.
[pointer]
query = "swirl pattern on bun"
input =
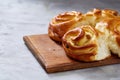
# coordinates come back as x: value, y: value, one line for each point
x: 87, y: 37
x: 69, y: 20
x: 82, y: 43
x: 62, y: 23
x: 96, y: 15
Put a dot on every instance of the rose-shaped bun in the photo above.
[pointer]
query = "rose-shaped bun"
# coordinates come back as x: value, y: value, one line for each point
x: 62, y: 23
x: 69, y: 20
x: 96, y: 15
x: 85, y: 44
x: 87, y: 37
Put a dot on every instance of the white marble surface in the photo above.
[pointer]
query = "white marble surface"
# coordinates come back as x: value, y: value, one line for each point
x: 27, y: 17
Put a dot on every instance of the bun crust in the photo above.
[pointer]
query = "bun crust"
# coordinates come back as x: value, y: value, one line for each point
x: 87, y: 37
x: 62, y: 23
x: 82, y: 44
x: 69, y: 20
x: 97, y: 15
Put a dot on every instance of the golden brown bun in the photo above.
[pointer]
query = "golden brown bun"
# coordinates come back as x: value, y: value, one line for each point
x: 62, y: 23
x: 113, y: 26
x: 84, y: 44
x: 96, y: 15
x: 87, y: 37
x: 69, y: 20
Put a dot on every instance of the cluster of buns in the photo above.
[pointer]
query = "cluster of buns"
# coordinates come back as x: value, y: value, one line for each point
x: 87, y: 37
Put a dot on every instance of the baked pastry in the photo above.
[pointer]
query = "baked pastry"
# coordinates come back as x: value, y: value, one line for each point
x: 85, y: 43
x: 112, y: 29
x: 87, y: 37
x: 69, y: 20
x: 62, y: 23
x: 96, y: 15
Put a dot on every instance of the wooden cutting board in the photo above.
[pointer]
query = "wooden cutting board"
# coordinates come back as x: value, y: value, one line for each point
x: 53, y: 58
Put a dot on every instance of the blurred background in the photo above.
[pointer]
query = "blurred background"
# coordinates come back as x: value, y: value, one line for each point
x: 28, y: 17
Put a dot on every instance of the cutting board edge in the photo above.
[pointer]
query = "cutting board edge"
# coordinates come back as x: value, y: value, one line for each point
x: 68, y: 68
x: 53, y: 69
x: 33, y: 50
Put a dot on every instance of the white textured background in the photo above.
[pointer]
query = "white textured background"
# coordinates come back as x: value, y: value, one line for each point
x: 27, y: 17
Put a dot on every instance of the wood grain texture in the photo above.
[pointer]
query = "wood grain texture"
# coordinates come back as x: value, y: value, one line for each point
x: 53, y: 58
